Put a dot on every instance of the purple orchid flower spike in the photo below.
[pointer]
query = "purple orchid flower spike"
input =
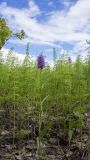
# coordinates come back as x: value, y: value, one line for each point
x: 41, y: 61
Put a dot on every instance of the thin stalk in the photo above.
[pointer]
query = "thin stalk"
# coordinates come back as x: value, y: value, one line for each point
x: 14, y: 116
x: 40, y: 122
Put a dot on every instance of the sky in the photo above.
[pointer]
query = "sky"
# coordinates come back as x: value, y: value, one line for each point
x: 48, y: 24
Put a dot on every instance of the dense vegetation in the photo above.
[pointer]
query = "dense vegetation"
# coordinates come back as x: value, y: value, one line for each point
x: 6, y: 33
x: 38, y: 101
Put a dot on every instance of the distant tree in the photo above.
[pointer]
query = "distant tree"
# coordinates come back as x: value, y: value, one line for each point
x: 6, y: 33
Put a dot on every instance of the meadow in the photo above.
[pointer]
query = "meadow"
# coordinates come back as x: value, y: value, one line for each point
x: 45, y: 106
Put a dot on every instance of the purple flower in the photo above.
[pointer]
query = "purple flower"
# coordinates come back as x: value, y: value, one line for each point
x: 69, y: 60
x: 41, y: 61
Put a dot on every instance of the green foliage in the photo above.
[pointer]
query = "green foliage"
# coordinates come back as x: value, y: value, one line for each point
x: 21, y: 134
x: 51, y: 97
x: 6, y: 33
x: 26, y: 61
x: 54, y: 56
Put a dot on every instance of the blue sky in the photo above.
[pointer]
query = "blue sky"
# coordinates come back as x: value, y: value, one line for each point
x: 63, y: 24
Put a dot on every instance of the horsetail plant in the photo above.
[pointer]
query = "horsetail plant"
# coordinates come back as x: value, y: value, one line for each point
x: 24, y: 92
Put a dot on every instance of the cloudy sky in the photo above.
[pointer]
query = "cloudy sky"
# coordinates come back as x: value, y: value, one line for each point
x: 63, y: 24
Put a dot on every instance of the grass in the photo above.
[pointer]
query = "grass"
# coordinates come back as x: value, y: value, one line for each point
x: 58, y: 95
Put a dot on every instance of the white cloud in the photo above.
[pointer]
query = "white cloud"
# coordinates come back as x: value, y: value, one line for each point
x: 72, y: 26
x: 33, y: 8
x: 5, y: 52
x: 33, y: 41
x: 66, y: 3
x: 80, y: 49
x: 18, y: 55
